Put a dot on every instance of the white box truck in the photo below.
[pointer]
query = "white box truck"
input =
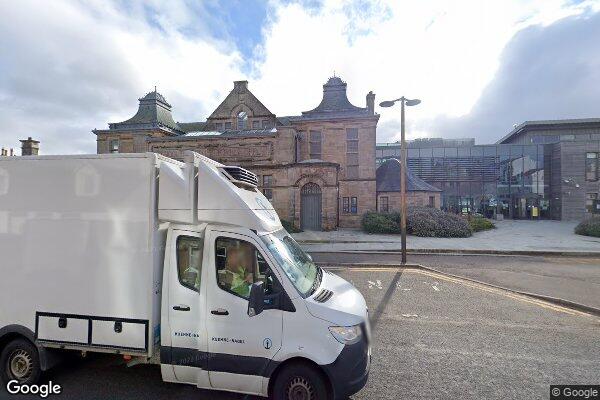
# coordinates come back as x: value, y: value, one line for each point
x: 185, y: 263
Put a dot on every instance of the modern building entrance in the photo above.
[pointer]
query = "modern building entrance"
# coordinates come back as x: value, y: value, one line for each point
x: 310, y: 207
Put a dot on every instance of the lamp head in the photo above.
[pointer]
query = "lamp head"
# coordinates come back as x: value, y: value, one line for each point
x: 388, y: 103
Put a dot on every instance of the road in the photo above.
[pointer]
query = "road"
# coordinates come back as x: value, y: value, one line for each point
x: 433, y: 338
x: 575, y: 279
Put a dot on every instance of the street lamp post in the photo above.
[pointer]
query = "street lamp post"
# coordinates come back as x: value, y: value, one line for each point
x: 409, y: 102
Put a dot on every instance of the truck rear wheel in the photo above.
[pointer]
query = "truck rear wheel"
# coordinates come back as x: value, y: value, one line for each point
x: 300, y: 382
x: 20, y: 361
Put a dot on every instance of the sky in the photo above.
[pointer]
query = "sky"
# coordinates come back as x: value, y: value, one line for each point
x: 479, y: 67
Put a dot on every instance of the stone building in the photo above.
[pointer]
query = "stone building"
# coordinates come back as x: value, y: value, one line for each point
x: 418, y: 192
x: 317, y: 168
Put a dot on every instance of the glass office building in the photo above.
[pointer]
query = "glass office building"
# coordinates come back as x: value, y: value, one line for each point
x: 508, y: 179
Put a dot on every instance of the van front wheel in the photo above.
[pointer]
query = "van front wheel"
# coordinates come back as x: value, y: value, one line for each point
x: 300, y: 382
x: 20, y: 361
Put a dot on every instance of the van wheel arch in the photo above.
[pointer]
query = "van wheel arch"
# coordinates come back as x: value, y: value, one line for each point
x: 13, y: 332
x: 300, y: 361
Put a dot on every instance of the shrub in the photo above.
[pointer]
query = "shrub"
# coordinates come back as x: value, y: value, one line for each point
x: 479, y: 223
x: 290, y: 227
x: 589, y: 227
x: 431, y: 222
x: 374, y: 222
x: 421, y: 221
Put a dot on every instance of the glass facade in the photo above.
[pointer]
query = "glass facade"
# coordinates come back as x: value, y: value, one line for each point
x: 503, y: 179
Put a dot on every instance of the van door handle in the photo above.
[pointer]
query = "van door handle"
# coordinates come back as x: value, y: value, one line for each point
x: 181, y: 307
x: 219, y: 311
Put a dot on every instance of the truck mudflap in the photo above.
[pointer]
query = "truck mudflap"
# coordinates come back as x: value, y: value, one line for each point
x: 349, y: 372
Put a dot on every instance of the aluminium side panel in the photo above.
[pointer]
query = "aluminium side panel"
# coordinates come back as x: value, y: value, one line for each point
x: 78, y: 239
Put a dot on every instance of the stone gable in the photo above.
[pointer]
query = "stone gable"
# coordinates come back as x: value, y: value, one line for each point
x: 240, y: 99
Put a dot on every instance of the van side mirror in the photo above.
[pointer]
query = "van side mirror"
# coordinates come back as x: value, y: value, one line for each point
x: 256, y: 303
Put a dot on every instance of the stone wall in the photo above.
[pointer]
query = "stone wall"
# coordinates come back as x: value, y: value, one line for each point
x: 129, y: 142
x: 364, y: 191
x: 420, y: 199
x: 241, y: 150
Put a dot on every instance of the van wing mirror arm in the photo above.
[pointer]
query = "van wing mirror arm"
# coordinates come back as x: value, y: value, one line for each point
x: 256, y: 303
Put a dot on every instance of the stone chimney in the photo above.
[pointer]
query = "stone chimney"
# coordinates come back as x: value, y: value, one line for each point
x: 240, y: 86
x: 30, y: 147
x: 371, y: 102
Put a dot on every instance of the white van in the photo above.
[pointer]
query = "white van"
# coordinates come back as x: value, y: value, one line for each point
x: 183, y: 264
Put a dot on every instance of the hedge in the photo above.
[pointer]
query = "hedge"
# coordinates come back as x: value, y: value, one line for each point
x: 421, y: 221
x: 589, y: 227
x: 479, y: 223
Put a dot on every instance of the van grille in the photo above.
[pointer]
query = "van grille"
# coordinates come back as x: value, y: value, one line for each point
x: 240, y: 175
x: 323, y: 296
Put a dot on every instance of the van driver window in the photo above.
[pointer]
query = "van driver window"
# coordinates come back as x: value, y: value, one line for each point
x: 239, y: 265
x: 189, y: 261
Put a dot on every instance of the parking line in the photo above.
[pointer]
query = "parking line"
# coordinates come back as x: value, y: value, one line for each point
x: 475, y: 285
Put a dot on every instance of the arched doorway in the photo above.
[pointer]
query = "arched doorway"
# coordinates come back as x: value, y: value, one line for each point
x: 310, y: 207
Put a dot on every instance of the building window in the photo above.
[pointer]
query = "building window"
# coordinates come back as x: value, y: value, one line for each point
x: 218, y: 126
x: 256, y: 124
x: 315, y: 142
x: 267, y: 182
x: 242, y: 120
x: 591, y: 167
x: 432, y: 201
x: 352, y: 153
x: 227, y: 126
x: 590, y: 200
x: 384, y: 204
x: 267, y: 124
x: 113, y: 146
x: 349, y: 205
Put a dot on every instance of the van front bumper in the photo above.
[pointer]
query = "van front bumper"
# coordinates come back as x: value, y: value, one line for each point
x: 349, y: 372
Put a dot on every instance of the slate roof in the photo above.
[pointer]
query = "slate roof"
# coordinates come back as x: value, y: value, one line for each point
x: 188, y: 127
x: 153, y: 111
x: 208, y: 134
x: 388, y: 179
x: 334, y: 104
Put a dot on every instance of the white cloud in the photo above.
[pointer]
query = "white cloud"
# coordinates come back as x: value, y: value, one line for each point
x: 68, y: 67
x: 73, y: 68
x: 442, y: 52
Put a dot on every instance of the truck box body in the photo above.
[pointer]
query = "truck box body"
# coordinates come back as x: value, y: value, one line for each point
x: 122, y: 253
x: 82, y: 248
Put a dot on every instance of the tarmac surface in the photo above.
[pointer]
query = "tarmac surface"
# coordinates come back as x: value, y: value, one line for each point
x: 575, y: 279
x: 433, y: 338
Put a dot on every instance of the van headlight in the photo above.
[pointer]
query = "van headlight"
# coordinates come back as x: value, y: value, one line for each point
x: 346, y: 334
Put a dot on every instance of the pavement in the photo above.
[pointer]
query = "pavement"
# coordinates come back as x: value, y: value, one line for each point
x: 434, y: 337
x: 509, y: 236
x: 574, y: 279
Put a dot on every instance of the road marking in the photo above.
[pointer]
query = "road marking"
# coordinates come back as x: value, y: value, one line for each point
x: 485, y: 288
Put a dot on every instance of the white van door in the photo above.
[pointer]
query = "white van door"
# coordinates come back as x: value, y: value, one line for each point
x: 241, y: 348
x: 187, y: 353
